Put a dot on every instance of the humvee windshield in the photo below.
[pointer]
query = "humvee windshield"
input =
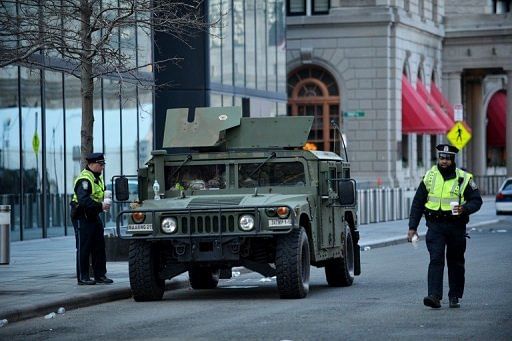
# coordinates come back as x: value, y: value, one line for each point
x: 196, y: 177
x: 271, y: 174
x: 213, y: 176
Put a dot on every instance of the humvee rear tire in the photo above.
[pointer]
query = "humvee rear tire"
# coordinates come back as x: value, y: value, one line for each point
x: 292, y: 264
x: 144, y: 265
x: 339, y: 272
x: 203, y: 278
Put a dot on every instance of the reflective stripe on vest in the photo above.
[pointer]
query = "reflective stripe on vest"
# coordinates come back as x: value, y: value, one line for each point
x: 440, y: 192
x: 98, y: 189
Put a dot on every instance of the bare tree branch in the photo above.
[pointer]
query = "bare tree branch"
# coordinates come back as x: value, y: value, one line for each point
x: 93, y: 38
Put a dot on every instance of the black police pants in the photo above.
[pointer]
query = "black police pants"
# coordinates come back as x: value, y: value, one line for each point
x: 90, y: 242
x: 446, y: 238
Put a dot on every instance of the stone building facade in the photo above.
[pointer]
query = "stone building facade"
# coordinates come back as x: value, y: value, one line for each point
x: 367, y: 47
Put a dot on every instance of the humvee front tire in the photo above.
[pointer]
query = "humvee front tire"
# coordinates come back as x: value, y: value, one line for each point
x: 292, y: 264
x: 143, y: 265
x: 203, y: 278
x: 339, y: 272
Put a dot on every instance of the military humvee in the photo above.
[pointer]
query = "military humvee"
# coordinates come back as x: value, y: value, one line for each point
x: 233, y: 191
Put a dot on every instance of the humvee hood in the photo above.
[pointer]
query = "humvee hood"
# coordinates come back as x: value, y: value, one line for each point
x: 226, y: 201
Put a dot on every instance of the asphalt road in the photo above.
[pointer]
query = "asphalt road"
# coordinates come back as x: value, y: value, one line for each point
x: 384, y: 303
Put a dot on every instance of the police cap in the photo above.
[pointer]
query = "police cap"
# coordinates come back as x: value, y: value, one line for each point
x: 446, y: 150
x: 95, y: 158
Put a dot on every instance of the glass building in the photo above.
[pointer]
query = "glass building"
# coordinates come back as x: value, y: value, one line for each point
x: 40, y: 118
x: 241, y: 61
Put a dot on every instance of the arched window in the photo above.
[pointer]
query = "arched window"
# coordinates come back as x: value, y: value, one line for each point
x: 312, y: 91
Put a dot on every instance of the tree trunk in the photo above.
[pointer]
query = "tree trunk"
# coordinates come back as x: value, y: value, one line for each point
x: 87, y: 84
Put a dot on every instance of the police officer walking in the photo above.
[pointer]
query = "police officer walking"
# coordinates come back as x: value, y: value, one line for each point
x: 86, y: 206
x: 447, y: 196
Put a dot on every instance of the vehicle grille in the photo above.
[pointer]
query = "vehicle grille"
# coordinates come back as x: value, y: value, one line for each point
x: 206, y: 224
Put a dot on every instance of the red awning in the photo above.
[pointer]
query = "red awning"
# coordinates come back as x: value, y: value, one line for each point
x: 432, y: 103
x: 416, y: 115
x: 496, y: 120
x: 442, y: 101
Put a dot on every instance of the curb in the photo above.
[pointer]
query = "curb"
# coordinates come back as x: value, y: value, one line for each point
x: 400, y: 240
x: 80, y: 301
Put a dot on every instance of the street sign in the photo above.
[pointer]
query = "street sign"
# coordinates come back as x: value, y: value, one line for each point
x: 458, y: 111
x: 354, y: 114
x: 35, y: 143
x: 459, y: 135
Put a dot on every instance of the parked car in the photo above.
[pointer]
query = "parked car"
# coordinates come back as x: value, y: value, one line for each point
x: 504, y: 197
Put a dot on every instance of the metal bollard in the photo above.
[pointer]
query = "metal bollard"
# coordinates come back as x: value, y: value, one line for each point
x: 5, y: 234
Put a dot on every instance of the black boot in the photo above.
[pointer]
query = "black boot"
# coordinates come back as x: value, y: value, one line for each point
x: 86, y: 281
x: 454, y: 302
x: 432, y: 301
x: 104, y: 280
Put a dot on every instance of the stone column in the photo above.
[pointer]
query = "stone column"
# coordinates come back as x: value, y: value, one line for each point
x: 508, y: 130
x: 478, y: 140
x: 454, y: 90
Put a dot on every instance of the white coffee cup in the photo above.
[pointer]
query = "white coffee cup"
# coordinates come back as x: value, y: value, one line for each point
x: 454, y: 205
x: 107, y: 198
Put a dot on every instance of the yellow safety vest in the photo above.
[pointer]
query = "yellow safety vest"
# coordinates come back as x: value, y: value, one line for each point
x: 98, y: 189
x: 441, y: 192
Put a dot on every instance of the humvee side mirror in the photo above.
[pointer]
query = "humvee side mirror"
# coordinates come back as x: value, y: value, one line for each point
x: 121, y: 189
x: 347, y: 192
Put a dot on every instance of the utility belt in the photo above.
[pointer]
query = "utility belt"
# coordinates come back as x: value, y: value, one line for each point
x: 440, y: 216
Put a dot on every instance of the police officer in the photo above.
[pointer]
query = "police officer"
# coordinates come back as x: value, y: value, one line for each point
x: 442, y: 187
x: 86, y: 206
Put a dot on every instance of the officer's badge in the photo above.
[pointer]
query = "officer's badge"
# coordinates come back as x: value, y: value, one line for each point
x: 85, y: 185
x: 473, y: 185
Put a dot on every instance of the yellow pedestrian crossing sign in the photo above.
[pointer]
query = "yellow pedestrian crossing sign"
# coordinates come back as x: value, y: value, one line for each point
x: 459, y: 135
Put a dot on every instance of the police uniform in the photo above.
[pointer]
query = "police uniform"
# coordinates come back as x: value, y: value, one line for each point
x: 86, y: 207
x: 446, y: 232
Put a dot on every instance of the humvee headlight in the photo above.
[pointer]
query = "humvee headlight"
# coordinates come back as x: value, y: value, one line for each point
x: 283, y: 212
x: 246, y: 222
x: 138, y: 217
x: 169, y: 225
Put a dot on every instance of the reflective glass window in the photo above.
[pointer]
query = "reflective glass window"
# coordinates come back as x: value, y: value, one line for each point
x: 227, y: 43
x: 261, y: 45
x: 296, y: 7
x: 239, y: 42
x: 250, y: 44
x: 271, y: 45
x: 54, y: 124
x: 31, y: 151
x: 73, y: 103
x: 281, y: 47
x: 144, y: 45
x: 145, y: 116
x: 129, y: 129
x: 98, y: 104
x: 111, y: 93
x: 321, y: 6
x: 215, y: 41
x: 10, y: 146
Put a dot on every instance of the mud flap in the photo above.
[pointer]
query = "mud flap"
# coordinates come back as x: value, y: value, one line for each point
x: 357, y: 254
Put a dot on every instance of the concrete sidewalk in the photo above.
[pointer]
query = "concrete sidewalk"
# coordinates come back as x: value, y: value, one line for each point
x: 41, y: 275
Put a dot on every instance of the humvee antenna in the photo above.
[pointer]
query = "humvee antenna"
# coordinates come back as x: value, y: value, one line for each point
x: 335, y: 125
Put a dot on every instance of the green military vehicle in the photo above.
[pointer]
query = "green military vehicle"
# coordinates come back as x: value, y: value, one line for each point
x: 233, y: 191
